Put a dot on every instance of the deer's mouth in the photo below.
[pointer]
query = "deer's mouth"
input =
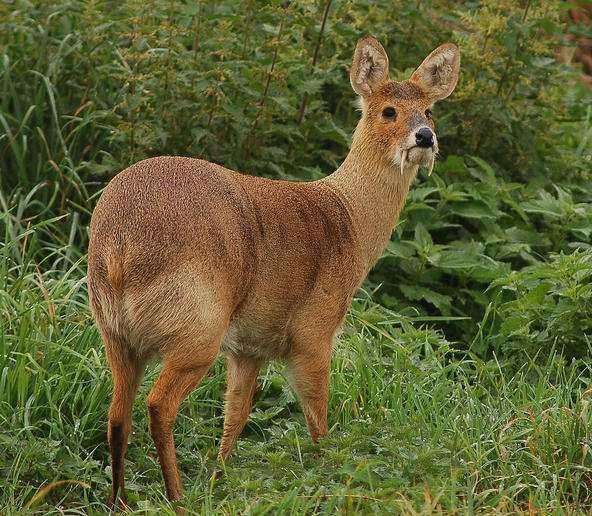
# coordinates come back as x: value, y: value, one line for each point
x: 416, y: 155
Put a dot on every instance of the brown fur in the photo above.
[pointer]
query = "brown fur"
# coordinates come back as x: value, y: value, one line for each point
x: 188, y: 259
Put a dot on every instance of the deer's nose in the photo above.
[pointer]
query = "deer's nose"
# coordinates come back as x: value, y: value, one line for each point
x: 424, y: 137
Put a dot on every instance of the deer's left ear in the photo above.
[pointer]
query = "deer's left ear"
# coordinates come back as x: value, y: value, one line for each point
x: 369, y: 68
x: 438, y: 74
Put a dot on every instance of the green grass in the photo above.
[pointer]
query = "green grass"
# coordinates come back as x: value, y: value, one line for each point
x: 416, y: 426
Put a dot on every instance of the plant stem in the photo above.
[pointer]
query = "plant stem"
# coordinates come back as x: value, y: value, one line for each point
x: 267, y: 82
x: 314, y: 59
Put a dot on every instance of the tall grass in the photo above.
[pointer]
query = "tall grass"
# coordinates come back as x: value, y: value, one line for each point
x: 416, y: 425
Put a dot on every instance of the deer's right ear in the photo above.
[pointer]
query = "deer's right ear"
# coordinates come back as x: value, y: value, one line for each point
x: 438, y: 74
x: 370, y: 66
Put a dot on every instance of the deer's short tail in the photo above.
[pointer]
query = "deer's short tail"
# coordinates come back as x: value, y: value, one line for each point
x: 106, y: 294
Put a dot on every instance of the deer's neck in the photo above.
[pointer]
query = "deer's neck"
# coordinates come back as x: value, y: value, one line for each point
x: 374, y: 191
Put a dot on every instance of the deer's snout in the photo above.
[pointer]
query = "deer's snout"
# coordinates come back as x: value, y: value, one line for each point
x: 424, y: 137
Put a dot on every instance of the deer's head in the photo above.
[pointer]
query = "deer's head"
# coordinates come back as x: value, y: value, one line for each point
x: 397, y: 119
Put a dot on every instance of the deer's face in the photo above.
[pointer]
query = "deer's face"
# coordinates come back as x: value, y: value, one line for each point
x: 397, y: 119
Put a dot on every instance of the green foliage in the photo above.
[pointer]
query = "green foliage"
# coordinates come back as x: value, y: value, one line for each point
x: 461, y: 381
x: 416, y: 426
x: 87, y: 90
x: 469, y: 229
x: 550, y: 307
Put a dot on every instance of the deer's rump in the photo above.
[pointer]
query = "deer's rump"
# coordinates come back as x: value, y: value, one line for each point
x: 180, y: 246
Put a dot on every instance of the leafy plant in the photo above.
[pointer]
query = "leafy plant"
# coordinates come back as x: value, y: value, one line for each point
x: 549, y: 308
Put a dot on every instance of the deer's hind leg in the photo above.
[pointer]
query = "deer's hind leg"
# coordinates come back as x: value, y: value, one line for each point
x: 127, y: 371
x: 182, y: 372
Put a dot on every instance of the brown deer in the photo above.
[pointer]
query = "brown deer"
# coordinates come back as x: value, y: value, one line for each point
x: 188, y: 260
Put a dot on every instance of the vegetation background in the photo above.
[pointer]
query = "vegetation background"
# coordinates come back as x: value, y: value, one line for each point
x: 462, y: 381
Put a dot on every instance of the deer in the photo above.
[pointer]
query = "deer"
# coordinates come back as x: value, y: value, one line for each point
x: 189, y: 260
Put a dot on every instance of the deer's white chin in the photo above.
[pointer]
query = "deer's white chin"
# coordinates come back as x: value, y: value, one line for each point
x: 415, y: 157
x: 420, y: 156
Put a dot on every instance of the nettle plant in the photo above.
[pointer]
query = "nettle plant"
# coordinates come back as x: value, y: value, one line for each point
x: 547, y: 307
x: 84, y: 92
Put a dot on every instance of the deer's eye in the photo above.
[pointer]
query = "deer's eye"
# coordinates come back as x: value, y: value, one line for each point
x: 428, y: 114
x: 390, y: 113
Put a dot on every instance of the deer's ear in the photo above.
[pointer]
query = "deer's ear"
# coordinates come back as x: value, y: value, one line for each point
x: 438, y: 74
x: 369, y: 68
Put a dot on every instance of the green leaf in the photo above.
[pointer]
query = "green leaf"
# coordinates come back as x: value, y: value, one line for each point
x: 416, y: 293
x: 474, y: 210
x: 422, y: 237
